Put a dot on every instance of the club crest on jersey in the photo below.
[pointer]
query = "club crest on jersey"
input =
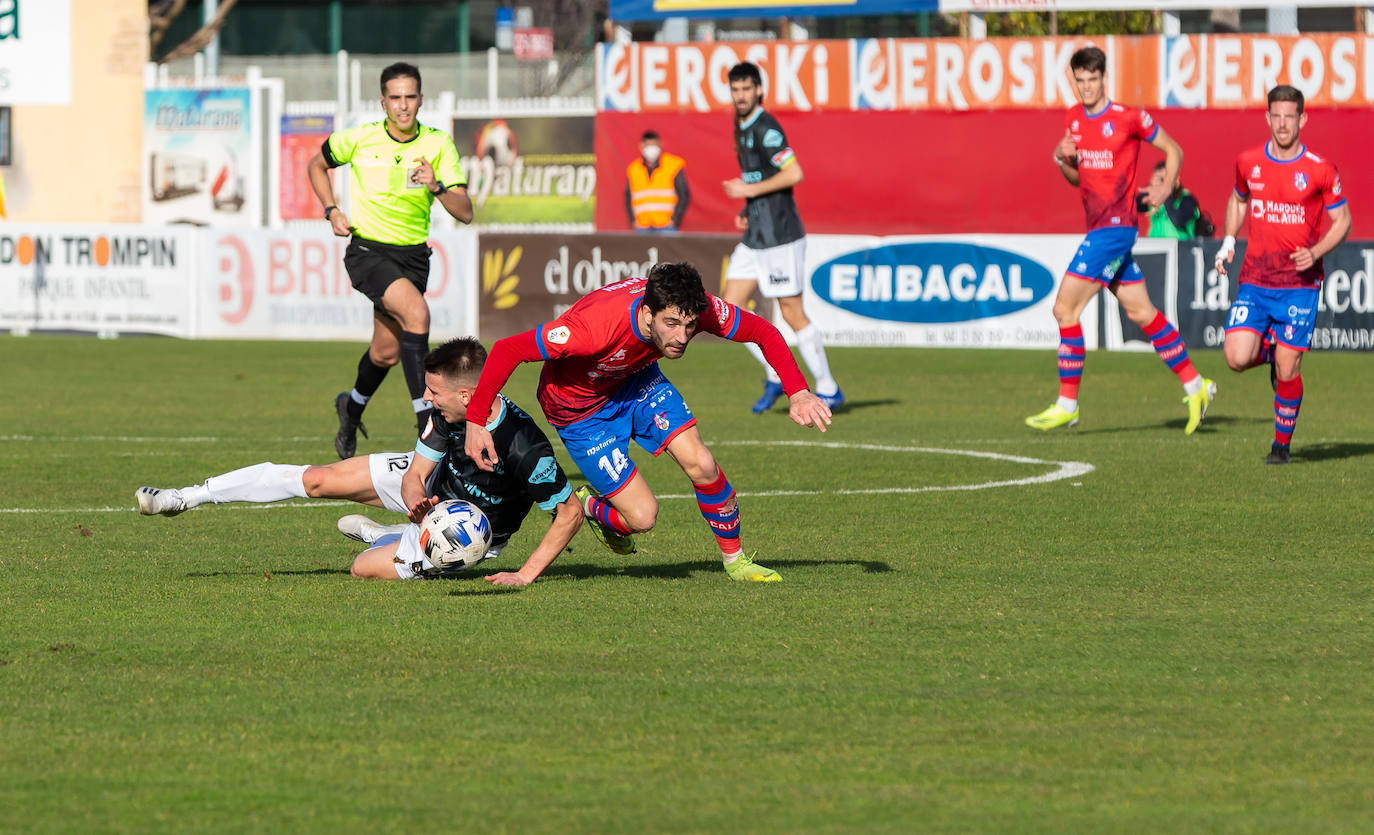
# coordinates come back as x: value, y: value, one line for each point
x: 661, y: 421
x: 559, y: 335
x: 722, y: 308
x: 1300, y: 180
x: 1107, y: 129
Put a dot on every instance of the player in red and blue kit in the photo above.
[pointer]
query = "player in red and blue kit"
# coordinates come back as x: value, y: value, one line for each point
x: 1284, y: 189
x: 1098, y: 153
x: 601, y: 387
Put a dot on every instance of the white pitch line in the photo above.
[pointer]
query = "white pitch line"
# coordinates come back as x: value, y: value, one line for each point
x: 1063, y: 470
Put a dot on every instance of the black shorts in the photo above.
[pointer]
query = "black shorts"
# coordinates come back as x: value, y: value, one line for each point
x: 372, y: 267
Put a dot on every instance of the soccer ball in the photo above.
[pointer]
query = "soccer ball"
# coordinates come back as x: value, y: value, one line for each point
x: 455, y: 535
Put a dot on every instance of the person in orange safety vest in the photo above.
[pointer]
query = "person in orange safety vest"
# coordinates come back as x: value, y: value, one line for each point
x: 656, y: 190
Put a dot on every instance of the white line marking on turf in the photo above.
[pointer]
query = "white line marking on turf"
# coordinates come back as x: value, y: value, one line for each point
x: 1063, y: 470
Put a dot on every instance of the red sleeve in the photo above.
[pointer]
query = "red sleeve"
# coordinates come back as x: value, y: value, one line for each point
x: 505, y: 355
x: 1331, y: 193
x: 1242, y: 188
x: 756, y: 329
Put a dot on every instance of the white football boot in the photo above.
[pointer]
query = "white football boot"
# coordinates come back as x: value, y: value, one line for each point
x: 153, y: 501
x: 359, y: 527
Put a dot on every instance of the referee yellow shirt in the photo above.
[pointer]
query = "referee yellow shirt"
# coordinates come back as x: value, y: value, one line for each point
x: 385, y: 205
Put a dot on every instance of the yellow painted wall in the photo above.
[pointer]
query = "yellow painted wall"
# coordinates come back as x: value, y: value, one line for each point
x: 83, y: 162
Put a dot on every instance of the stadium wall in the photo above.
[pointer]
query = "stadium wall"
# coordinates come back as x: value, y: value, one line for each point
x: 907, y: 172
x: 79, y: 159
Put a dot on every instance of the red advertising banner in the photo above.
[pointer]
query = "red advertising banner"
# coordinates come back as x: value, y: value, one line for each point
x: 301, y: 138
x: 1335, y: 70
x: 905, y: 173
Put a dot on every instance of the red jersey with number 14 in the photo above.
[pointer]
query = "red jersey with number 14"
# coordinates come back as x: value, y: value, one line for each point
x: 595, y: 346
x: 1286, y: 202
x: 1108, y: 151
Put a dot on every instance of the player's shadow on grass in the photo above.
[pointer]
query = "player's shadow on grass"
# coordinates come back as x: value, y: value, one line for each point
x: 684, y: 570
x: 268, y: 573
x: 851, y: 405
x: 1330, y: 451
x: 1209, y: 425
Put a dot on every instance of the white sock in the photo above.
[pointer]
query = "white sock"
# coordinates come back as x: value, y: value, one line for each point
x: 813, y: 353
x: 1193, y: 386
x: 259, y: 483
x: 768, y: 369
x: 1067, y: 405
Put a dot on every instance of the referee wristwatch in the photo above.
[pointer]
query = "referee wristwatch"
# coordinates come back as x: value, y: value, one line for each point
x: 441, y: 188
x: 327, y: 210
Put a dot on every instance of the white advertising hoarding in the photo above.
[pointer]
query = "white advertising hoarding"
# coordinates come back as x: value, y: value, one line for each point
x: 968, y: 291
x: 36, y: 52
x: 101, y: 279
x: 291, y: 284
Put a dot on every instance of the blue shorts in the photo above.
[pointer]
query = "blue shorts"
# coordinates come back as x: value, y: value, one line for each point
x: 1105, y: 256
x: 647, y: 409
x: 1290, y: 312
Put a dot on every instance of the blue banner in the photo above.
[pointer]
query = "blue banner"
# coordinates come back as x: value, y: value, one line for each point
x: 627, y: 11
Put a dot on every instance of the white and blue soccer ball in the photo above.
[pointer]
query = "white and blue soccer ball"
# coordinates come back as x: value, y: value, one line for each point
x: 455, y: 535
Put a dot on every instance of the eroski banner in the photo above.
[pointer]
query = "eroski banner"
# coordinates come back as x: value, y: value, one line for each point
x: 98, y: 279
x: 289, y: 284
x: 961, y: 74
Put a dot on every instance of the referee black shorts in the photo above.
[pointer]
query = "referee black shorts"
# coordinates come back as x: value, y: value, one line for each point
x: 372, y: 266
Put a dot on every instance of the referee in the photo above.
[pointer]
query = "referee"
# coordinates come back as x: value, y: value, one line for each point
x: 399, y: 167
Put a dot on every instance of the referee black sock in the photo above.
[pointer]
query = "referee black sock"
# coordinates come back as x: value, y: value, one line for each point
x: 414, y: 347
x: 370, y: 376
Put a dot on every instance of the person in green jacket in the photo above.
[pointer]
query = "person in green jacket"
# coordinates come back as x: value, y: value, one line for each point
x: 1177, y: 217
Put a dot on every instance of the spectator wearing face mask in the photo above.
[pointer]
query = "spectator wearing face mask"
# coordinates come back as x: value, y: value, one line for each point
x: 656, y: 190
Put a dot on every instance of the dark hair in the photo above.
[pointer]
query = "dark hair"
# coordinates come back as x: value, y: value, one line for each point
x: 675, y: 285
x: 649, y: 134
x: 1286, y: 92
x: 745, y: 71
x: 457, y: 359
x: 1090, y: 59
x: 401, y: 69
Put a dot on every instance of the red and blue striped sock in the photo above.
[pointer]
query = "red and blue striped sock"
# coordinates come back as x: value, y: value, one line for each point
x: 604, y: 512
x: 1287, y: 402
x: 1071, y: 354
x: 1169, y: 345
x: 720, y: 509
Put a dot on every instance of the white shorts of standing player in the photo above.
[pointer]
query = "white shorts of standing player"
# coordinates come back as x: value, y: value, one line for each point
x: 779, y: 270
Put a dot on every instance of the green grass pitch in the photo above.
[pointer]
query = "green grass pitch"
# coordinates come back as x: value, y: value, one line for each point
x: 1178, y: 639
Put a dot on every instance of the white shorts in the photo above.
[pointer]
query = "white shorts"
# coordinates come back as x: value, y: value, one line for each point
x: 779, y: 270
x: 388, y: 468
x: 411, y: 562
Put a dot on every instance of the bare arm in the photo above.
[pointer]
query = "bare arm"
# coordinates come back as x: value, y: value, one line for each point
x: 454, y: 199
x: 1066, y: 157
x: 1173, y: 161
x: 1340, y: 227
x: 567, y: 517
x: 456, y: 202
x: 318, y: 172
x: 1235, y: 219
x: 413, y: 487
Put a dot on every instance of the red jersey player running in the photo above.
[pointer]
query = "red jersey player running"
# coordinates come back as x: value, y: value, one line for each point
x: 1271, y: 319
x: 1098, y: 154
x: 601, y: 388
